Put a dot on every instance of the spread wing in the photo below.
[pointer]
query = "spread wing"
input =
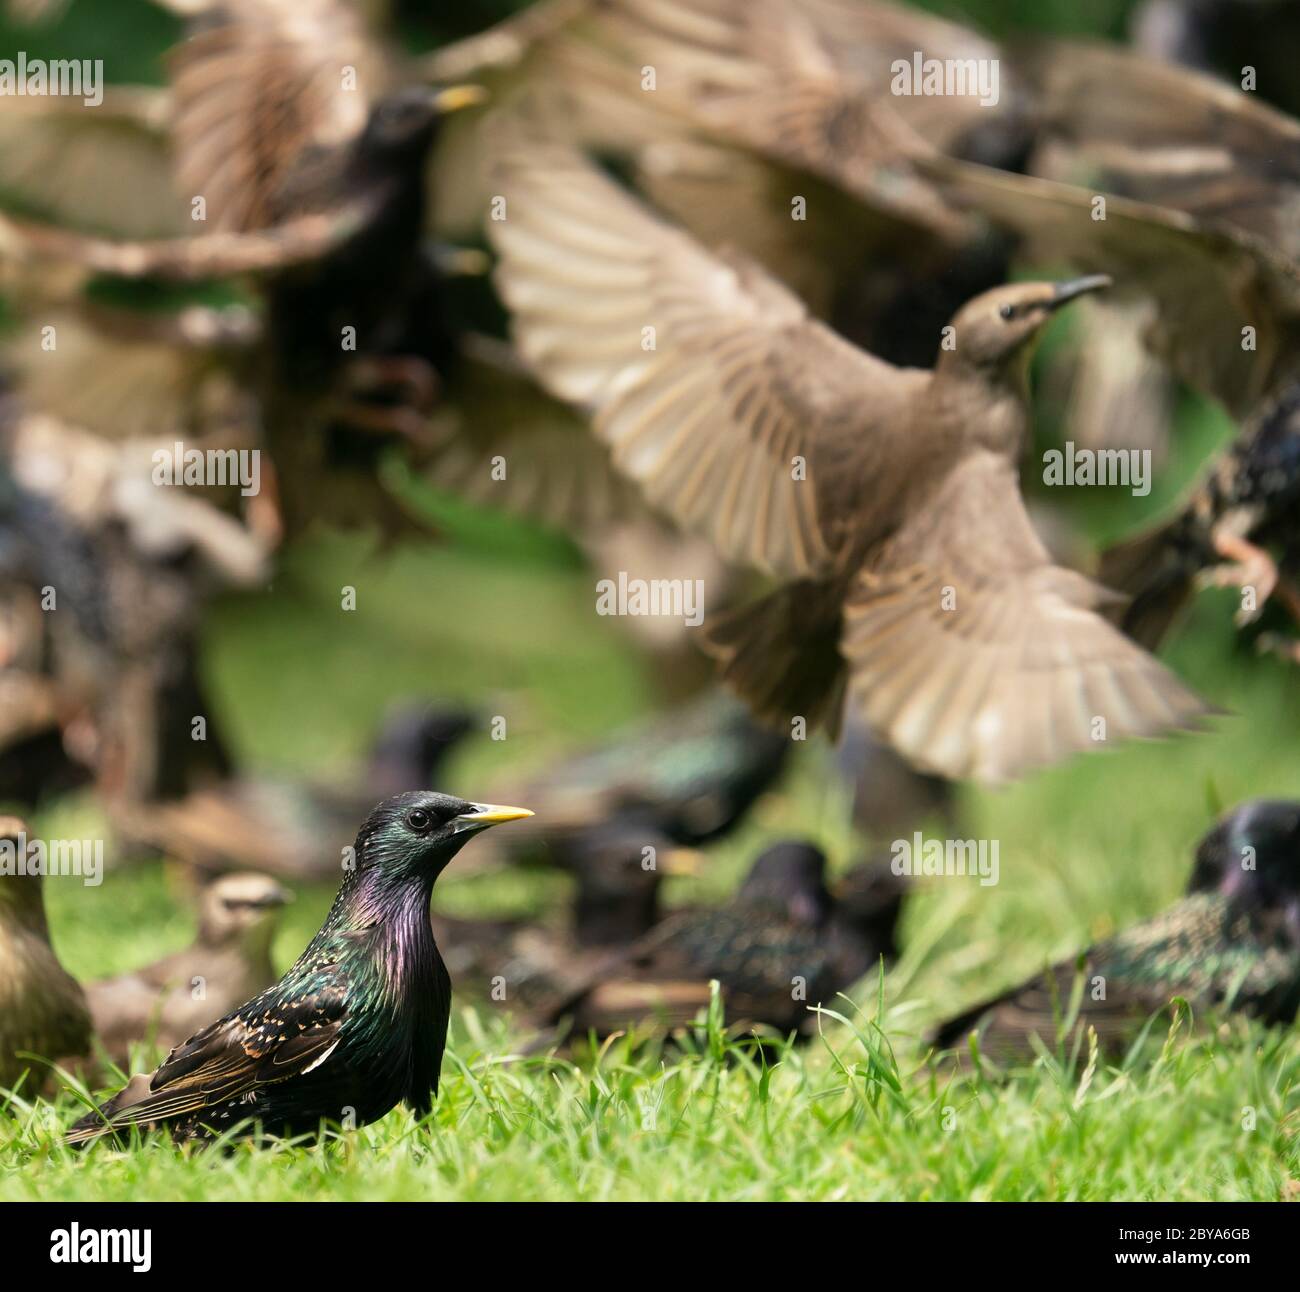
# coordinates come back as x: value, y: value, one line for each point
x: 104, y: 169
x: 1167, y: 135
x: 811, y: 86
x: 1207, y: 283
x: 258, y: 85
x: 710, y: 382
x: 975, y: 656
x: 502, y: 442
x: 267, y: 1041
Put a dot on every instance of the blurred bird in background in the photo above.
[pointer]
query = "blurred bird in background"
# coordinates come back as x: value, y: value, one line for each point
x: 229, y: 961
x: 42, y: 1008
x: 1232, y: 944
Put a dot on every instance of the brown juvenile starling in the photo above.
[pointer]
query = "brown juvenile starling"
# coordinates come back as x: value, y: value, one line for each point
x: 42, y: 1008
x: 229, y: 961
x: 918, y: 591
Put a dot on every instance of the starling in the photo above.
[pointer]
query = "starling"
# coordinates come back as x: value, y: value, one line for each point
x: 229, y: 961
x: 888, y: 497
x: 1232, y: 943
x: 358, y: 1023
x: 784, y: 943
x: 688, y: 776
x: 42, y: 1008
x: 294, y: 829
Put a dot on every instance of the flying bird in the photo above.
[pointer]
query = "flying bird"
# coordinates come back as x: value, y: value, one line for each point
x: 42, y: 1007
x: 917, y: 591
x: 229, y: 961
x: 1231, y: 944
x: 357, y: 1025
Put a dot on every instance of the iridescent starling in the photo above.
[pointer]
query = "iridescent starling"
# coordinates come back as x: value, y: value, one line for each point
x: 229, y: 961
x: 784, y: 943
x: 888, y: 499
x: 1232, y: 944
x: 42, y: 1008
x: 358, y: 1023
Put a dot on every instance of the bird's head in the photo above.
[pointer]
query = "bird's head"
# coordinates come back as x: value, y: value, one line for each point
x: 870, y: 898
x: 404, y: 124
x: 412, y: 837
x: 790, y: 875
x: 998, y: 327
x: 1252, y: 855
x: 241, y: 909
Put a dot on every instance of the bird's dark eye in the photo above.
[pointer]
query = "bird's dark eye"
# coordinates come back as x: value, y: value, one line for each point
x: 1008, y: 311
x: 419, y: 820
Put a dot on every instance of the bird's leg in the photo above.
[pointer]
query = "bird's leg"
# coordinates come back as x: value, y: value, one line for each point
x: 1247, y: 567
x: 380, y: 419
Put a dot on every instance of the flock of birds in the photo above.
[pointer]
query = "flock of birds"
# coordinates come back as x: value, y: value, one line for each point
x: 749, y: 318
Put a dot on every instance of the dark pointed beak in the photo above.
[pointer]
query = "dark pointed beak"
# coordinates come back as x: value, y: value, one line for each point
x: 1068, y: 290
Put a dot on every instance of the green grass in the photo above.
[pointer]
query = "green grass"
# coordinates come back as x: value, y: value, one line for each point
x: 1085, y: 848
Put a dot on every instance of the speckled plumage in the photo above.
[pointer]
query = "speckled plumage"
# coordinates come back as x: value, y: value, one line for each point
x: 1233, y: 943
x: 783, y: 944
x: 358, y: 1023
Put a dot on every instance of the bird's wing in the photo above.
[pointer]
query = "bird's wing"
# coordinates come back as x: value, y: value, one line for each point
x: 269, y: 1040
x: 810, y: 86
x: 188, y: 259
x: 975, y: 656
x: 740, y: 416
x: 503, y: 442
x: 1167, y: 135
x: 105, y: 170
x: 259, y: 85
x: 127, y: 373
x: 1208, y: 284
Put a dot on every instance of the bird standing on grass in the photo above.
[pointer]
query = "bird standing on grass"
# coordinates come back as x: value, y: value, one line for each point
x: 356, y: 1025
x: 784, y: 943
x: 229, y: 961
x: 42, y: 1008
x: 887, y: 497
x: 1233, y: 943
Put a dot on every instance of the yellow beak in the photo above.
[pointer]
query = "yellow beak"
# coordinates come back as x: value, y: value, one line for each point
x: 455, y: 97
x: 493, y: 814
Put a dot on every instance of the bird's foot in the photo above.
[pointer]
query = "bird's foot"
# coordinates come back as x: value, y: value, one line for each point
x: 1249, y: 568
x: 1285, y: 648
